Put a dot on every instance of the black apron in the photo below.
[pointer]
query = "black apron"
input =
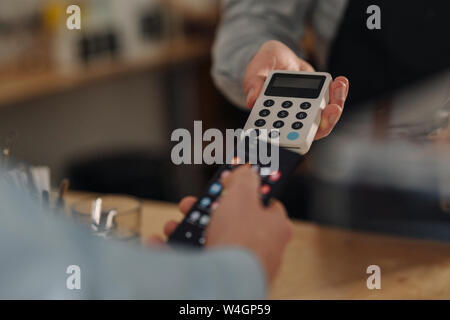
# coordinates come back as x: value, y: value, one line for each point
x: 412, y: 44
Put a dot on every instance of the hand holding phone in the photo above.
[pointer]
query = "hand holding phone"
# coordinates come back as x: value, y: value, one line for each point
x: 191, y: 231
x: 240, y: 209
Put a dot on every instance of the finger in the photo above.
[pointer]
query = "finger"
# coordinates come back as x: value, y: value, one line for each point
x: 344, y: 80
x: 236, y: 175
x: 338, y: 91
x: 252, y: 88
x: 186, y: 203
x: 305, y: 66
x: 242, y: 181
x: 258, y: 69
x: 277, y: 207
x: 255, y: 75
x: 330, y: 117
x: 170, y: 227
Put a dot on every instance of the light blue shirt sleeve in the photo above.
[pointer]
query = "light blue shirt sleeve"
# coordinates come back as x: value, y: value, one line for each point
x: 37, y: 247
x: 245, y: 26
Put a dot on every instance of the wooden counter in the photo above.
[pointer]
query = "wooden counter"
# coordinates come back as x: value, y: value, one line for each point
x: 328, y: 263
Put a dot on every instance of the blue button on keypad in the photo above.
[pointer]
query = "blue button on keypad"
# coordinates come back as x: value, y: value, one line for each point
x: 292, y: 135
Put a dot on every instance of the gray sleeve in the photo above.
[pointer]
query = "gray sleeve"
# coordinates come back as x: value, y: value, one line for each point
x: 37, y: 247
x: 245, y: 26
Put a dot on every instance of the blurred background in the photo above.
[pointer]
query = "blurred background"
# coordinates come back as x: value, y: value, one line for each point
x: 98, y: 105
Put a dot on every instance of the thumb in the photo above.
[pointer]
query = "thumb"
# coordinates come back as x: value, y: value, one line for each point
x: 252, y: 87
x: 242, y: 182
